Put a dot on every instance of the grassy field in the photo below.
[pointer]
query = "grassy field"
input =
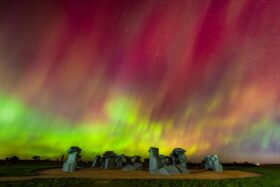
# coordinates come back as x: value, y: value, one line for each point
x: 23, y: 170
x: 271, y: 177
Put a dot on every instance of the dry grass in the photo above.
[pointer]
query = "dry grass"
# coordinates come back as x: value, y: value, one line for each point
x: 139, y: 174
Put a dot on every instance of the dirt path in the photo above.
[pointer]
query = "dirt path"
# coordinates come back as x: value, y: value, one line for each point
x: 140, y: 174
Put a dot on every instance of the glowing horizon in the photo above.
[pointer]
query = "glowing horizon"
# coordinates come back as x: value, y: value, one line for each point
x: 127, y: 75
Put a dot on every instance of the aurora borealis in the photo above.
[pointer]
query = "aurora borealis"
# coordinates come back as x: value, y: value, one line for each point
x: 124, y: 75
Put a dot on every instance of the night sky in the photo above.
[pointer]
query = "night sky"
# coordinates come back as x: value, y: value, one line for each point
x: 125, y: 75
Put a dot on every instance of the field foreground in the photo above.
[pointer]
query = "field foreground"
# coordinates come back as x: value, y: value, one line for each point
x: 38, y: 175
x: 91, y: 173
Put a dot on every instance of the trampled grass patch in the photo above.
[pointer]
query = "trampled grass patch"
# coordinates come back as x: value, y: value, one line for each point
x: 270, y: 178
